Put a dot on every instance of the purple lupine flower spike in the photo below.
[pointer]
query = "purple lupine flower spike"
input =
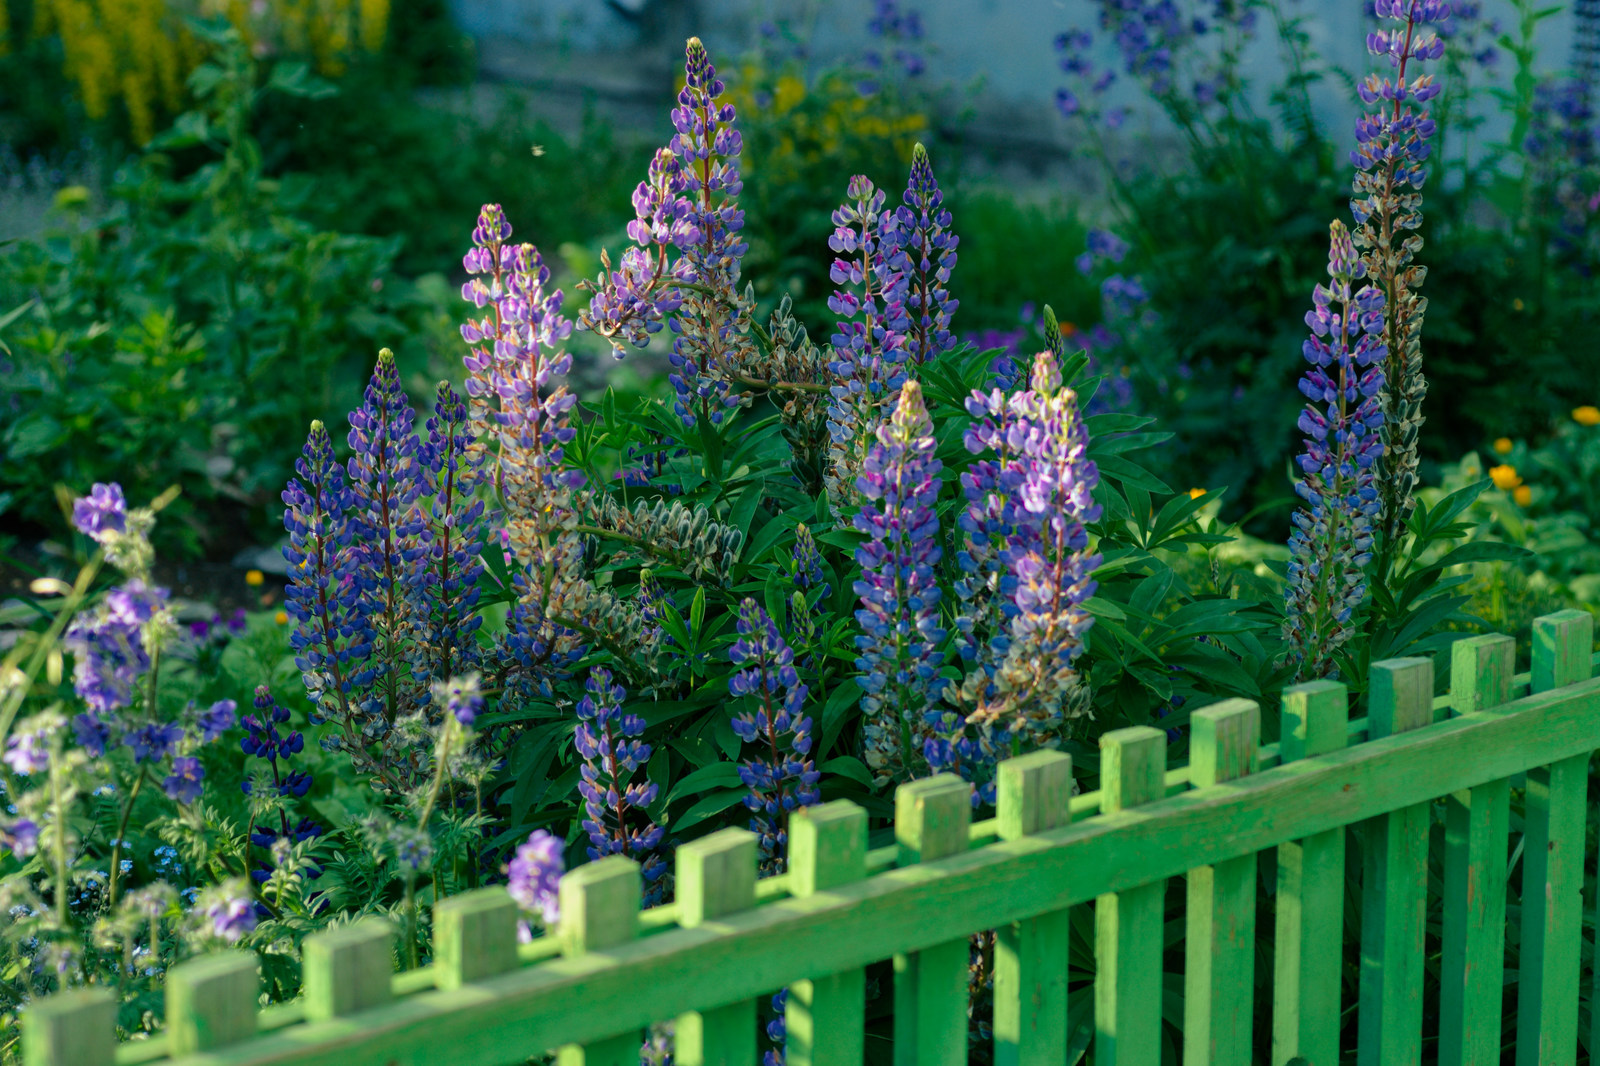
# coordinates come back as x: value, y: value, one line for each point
x: 607, y: 739
x: 712, y: 326
x: 332, y: 636
x: 899, y: 617
x: 523, y: 417
x: 920, y: 250
x: 383, y: 475
x: 1027, y: 571
x: 779, y: 772
x: 457, y: 532
x: 1391, y: 146
x: 866, y: 355
x: 1331, y: 541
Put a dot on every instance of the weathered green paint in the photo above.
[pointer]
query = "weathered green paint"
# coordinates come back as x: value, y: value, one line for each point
x: 1030, y: 956
x: 1128, y: 924
x: 1310, y: 899
x: 1394, y: 901
x: 74, y: 1028
x: 349, y: 969
x: 1477, y: 827
x: 1029, y: 865
x: 716, y: 876
x: 1220, y: 940
x: 1552, y: 874
x: 600, y: 911
x: 474, y: 936
x: 826, y: 1012
x: 211, y: 1002
x: 932, y: 821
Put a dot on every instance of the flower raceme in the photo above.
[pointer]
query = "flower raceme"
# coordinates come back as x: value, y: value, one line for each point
x: 1026, y: 575
x: 779, y: 773
x: 1331, y: 542
x: 1391, y: 147
x: 688, y: 203
x: 383, y: 560
x: 899, y: 615
x: 607, y: 739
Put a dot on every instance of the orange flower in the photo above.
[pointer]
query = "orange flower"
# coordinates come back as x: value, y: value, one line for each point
x: 1586, y: 415
x: 1503, y: 445
x: 1523, y: 495
x: 1195, y: 494
x: 1505, y: 477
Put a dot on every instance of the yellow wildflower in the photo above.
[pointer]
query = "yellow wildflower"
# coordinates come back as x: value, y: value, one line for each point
x: 1503, y: 445
x: 282, y: 618
x: 1505, y: 477
x: 1195, y: 494
x: 254, y: 578
x: 1523, y: 495
x: 1586, y: 415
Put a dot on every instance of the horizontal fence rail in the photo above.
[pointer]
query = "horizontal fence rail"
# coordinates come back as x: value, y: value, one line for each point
x: 593, y: 986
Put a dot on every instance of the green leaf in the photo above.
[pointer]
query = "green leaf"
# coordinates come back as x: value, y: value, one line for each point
x: 1484, y: 551
x: 848, y: 766
x: 717, y: 775
x: 712, y: 805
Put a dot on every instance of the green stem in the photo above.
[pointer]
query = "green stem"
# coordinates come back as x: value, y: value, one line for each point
x: 412, y: 959
x: 122, y: 827
x: 60, y: 842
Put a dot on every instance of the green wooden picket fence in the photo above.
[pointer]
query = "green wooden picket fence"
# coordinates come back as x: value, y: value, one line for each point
x: 591, y: 987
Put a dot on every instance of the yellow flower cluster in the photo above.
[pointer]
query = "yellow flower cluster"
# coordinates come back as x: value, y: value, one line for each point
x: 139, y: 52
x: 816, y: 121
x: 1586, y: 415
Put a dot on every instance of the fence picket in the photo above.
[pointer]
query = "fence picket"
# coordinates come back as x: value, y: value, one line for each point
x: 1310, y: 896
x: 1552, y: 873
x: 932, y: 818
x: 211, y: 1002
x: 717, y: 876
x: 599, y: 910
x: 1477, y: 829
x: 474, y: 936
x: 1394, y: 904
x: 1030, y: 956
x: 1220, y: 941
x: 348, y: 969
x: 76, y: 1028
x: 1129, y: 924
x: 826, y: 1014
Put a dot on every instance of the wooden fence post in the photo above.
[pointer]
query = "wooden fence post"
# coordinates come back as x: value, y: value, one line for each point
x: 932, y: 820
x: 599, y: 910
x: 716, y: 876
x: 1030, y: 956
x: 1128, y: 924
x: 1220, y: 940
x: 1477, y: 828
x: 77, y: 1028
x: 826, y: 1014
x: 348, y: 969
x: 211, y: 1002
x: 474, y: 936
x: 1394, y: 902
x: 1310, y: 898
x: 1552, y: 857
